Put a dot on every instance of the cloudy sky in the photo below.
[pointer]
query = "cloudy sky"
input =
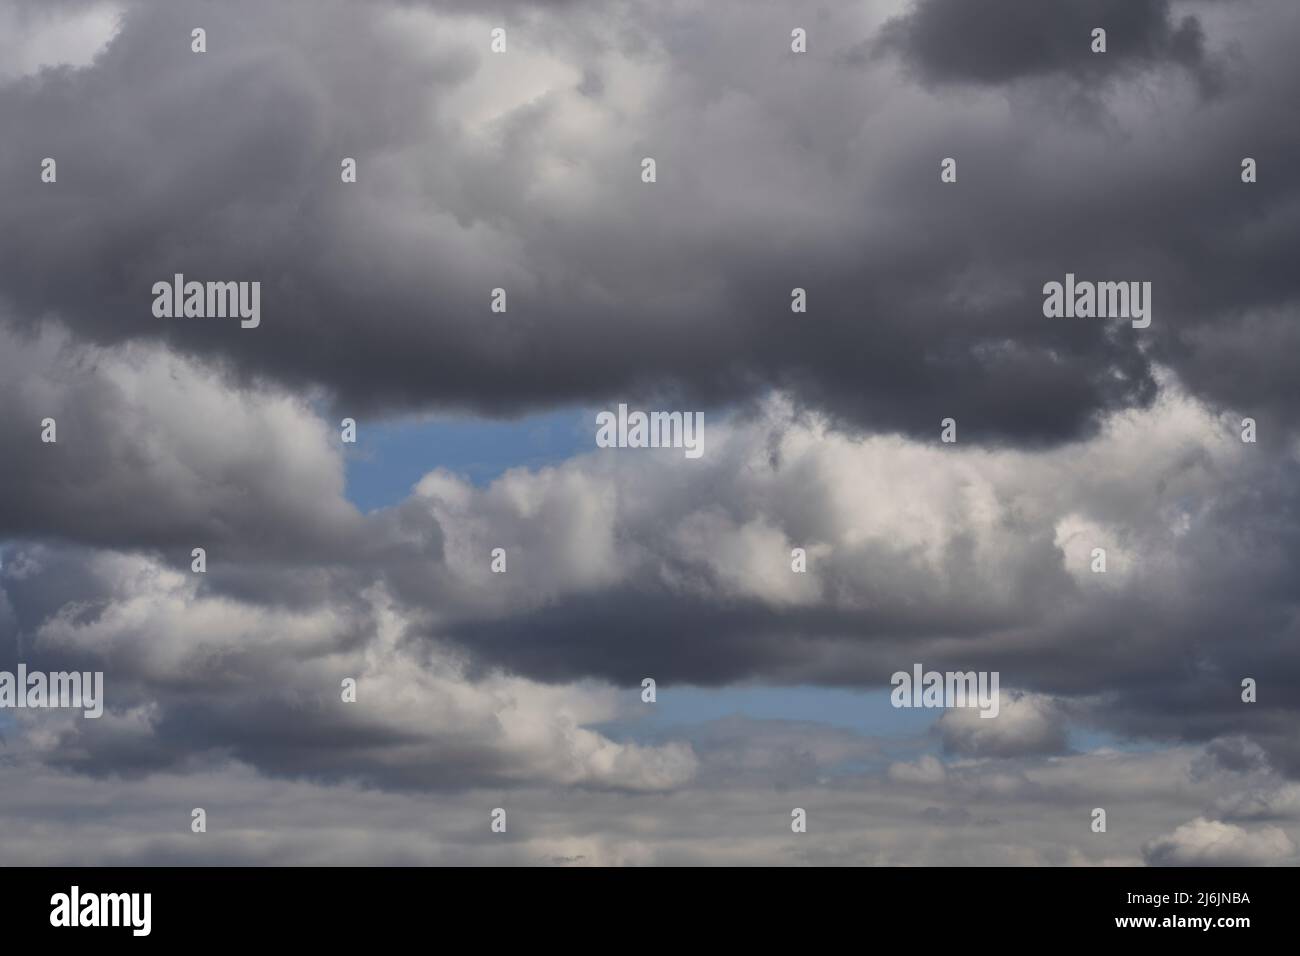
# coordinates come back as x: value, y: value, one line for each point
x: 522, y: 170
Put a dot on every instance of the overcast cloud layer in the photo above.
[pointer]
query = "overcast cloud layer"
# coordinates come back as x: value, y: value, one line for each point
x: 775, y: 170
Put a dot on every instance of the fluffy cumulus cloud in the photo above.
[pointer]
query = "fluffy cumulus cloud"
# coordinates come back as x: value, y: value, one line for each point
x: 1025, y: 724
x: 1210, y: 843
x: 196, y: 675
x: 152, y: 449
x: 1099, y: 534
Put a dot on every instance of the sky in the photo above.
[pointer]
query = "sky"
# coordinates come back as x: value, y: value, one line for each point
x: 371, y: 562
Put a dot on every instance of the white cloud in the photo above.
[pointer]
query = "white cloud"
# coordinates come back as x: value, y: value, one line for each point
x: 35, y: 36
x: 1205, y: 842
x: 925, y: 769
x: 1025, y: 724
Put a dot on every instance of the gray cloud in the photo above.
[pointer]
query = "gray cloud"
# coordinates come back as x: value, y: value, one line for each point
x: 154, y: 451
x: 982, y: 814
x: 482, y: 171
x: 948, y: 41
x: 520, y: 171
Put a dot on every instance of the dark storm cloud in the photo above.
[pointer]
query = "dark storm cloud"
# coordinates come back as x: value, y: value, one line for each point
x: 1002, y: 40
x: 924, y: 299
